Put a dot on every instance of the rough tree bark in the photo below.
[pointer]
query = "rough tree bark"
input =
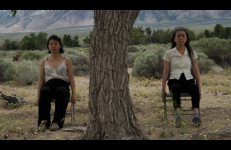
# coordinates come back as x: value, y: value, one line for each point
x: 111, y: 114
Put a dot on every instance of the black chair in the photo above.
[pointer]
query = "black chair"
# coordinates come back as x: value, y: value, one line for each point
x: 169, y: 98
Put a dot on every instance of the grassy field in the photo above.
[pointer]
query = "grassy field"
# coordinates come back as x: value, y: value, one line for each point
x: 21, y: 123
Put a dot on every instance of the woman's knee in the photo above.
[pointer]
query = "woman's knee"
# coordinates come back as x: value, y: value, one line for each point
x: 45, y: 90
x: 60, y: 90
x: 175, y: 88
x: 193, y: 87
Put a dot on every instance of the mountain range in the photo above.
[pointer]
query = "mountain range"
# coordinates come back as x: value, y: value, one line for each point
x: 38, y: 20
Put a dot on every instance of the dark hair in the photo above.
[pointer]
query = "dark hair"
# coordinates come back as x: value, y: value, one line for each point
x: 55, y: 37
x: 186, y: 43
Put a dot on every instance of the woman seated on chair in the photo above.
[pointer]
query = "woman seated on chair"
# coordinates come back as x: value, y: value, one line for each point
x: 55, y: 76
x: 179, y: 60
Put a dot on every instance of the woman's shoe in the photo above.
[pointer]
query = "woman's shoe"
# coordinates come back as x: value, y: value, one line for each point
x: 54, y: 127
x: 196, y: 122
x: 42, y: 127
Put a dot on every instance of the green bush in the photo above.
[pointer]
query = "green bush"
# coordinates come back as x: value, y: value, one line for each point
x: 10, y: 73
x: 204, y: 63
x: 200, y: 35
x: 27, y: 72
x: 19, y: 53
x: 78, y: 58
x: 4, y: 65
x: 131, y: 58
x: 132, y: 49
x: 150, y: 63
x: 7, y: 54
x: 32, y: 55
x: 137, y: 37
x: 217, y: 49
x: 3, y: 53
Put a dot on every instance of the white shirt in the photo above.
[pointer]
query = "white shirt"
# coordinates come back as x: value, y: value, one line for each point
x: 179, y: 64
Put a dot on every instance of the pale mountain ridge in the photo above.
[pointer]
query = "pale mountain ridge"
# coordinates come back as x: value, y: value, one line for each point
x: 37, y: 20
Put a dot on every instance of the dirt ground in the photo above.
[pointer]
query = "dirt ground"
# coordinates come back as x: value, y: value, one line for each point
x: 21, y: 123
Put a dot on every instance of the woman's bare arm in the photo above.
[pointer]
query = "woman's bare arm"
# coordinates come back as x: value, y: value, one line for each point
x: 165, y: 74
x: 41, y: 78
x: 164, y: 78
x: 71, y: 76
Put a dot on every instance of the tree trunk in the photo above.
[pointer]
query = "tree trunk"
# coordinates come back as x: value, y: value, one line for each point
x: 111, y: 114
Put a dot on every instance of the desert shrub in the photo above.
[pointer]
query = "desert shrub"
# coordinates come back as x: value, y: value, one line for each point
x: 27, y: 72
x: 19, y: 53
x: 4, y: 65
x: 204, y: 63
x: 10, y: 73
x: 194, y: 44
x: 149, y: 63
x: 32, y: 55
x: 3, y: 53
x: 217, y: 49
x: 131, y: 58
x: 84, y: 45
x: 132, y: 49
x: 200, y: 35
x: 79, y: 59
x: 7, y: 54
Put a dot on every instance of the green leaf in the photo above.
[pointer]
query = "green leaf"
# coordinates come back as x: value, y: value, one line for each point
x: 14, y: 12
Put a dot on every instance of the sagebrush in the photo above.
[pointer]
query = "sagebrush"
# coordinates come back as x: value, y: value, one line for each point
x: 32, y: 55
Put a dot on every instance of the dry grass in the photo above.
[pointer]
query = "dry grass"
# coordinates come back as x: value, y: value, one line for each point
x: 21, y: 123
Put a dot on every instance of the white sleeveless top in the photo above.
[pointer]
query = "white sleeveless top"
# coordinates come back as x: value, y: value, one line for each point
x: 59, y: 72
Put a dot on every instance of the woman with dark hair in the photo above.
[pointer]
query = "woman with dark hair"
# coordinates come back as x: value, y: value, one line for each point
x: 55, y: 76
x: 179, y: 60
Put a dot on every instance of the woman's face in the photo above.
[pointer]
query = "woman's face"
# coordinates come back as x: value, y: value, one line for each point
x: 54, y: 46
x: 180, y: 37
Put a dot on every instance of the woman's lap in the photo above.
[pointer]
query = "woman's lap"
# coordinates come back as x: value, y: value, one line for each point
x: 56, y: 86
x: 185, y: 87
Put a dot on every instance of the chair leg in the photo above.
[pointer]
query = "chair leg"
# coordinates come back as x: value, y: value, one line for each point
x: 165, y: 109
x: 72, y: 114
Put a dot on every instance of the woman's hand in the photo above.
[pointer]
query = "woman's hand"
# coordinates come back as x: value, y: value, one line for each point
x: 164, y: 94
x: 73, y: 99
x: 37, y: 101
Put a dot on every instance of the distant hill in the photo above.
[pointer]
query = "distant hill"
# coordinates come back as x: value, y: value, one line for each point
x: 38, y: 20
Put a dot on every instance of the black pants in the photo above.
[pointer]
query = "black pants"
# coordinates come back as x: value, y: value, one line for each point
x: 184, y: 86
x: 58, y: 89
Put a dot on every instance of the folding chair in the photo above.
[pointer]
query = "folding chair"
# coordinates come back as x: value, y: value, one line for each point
x: 73, y: 128
x: 68, y: 113
x: 169, y: 96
